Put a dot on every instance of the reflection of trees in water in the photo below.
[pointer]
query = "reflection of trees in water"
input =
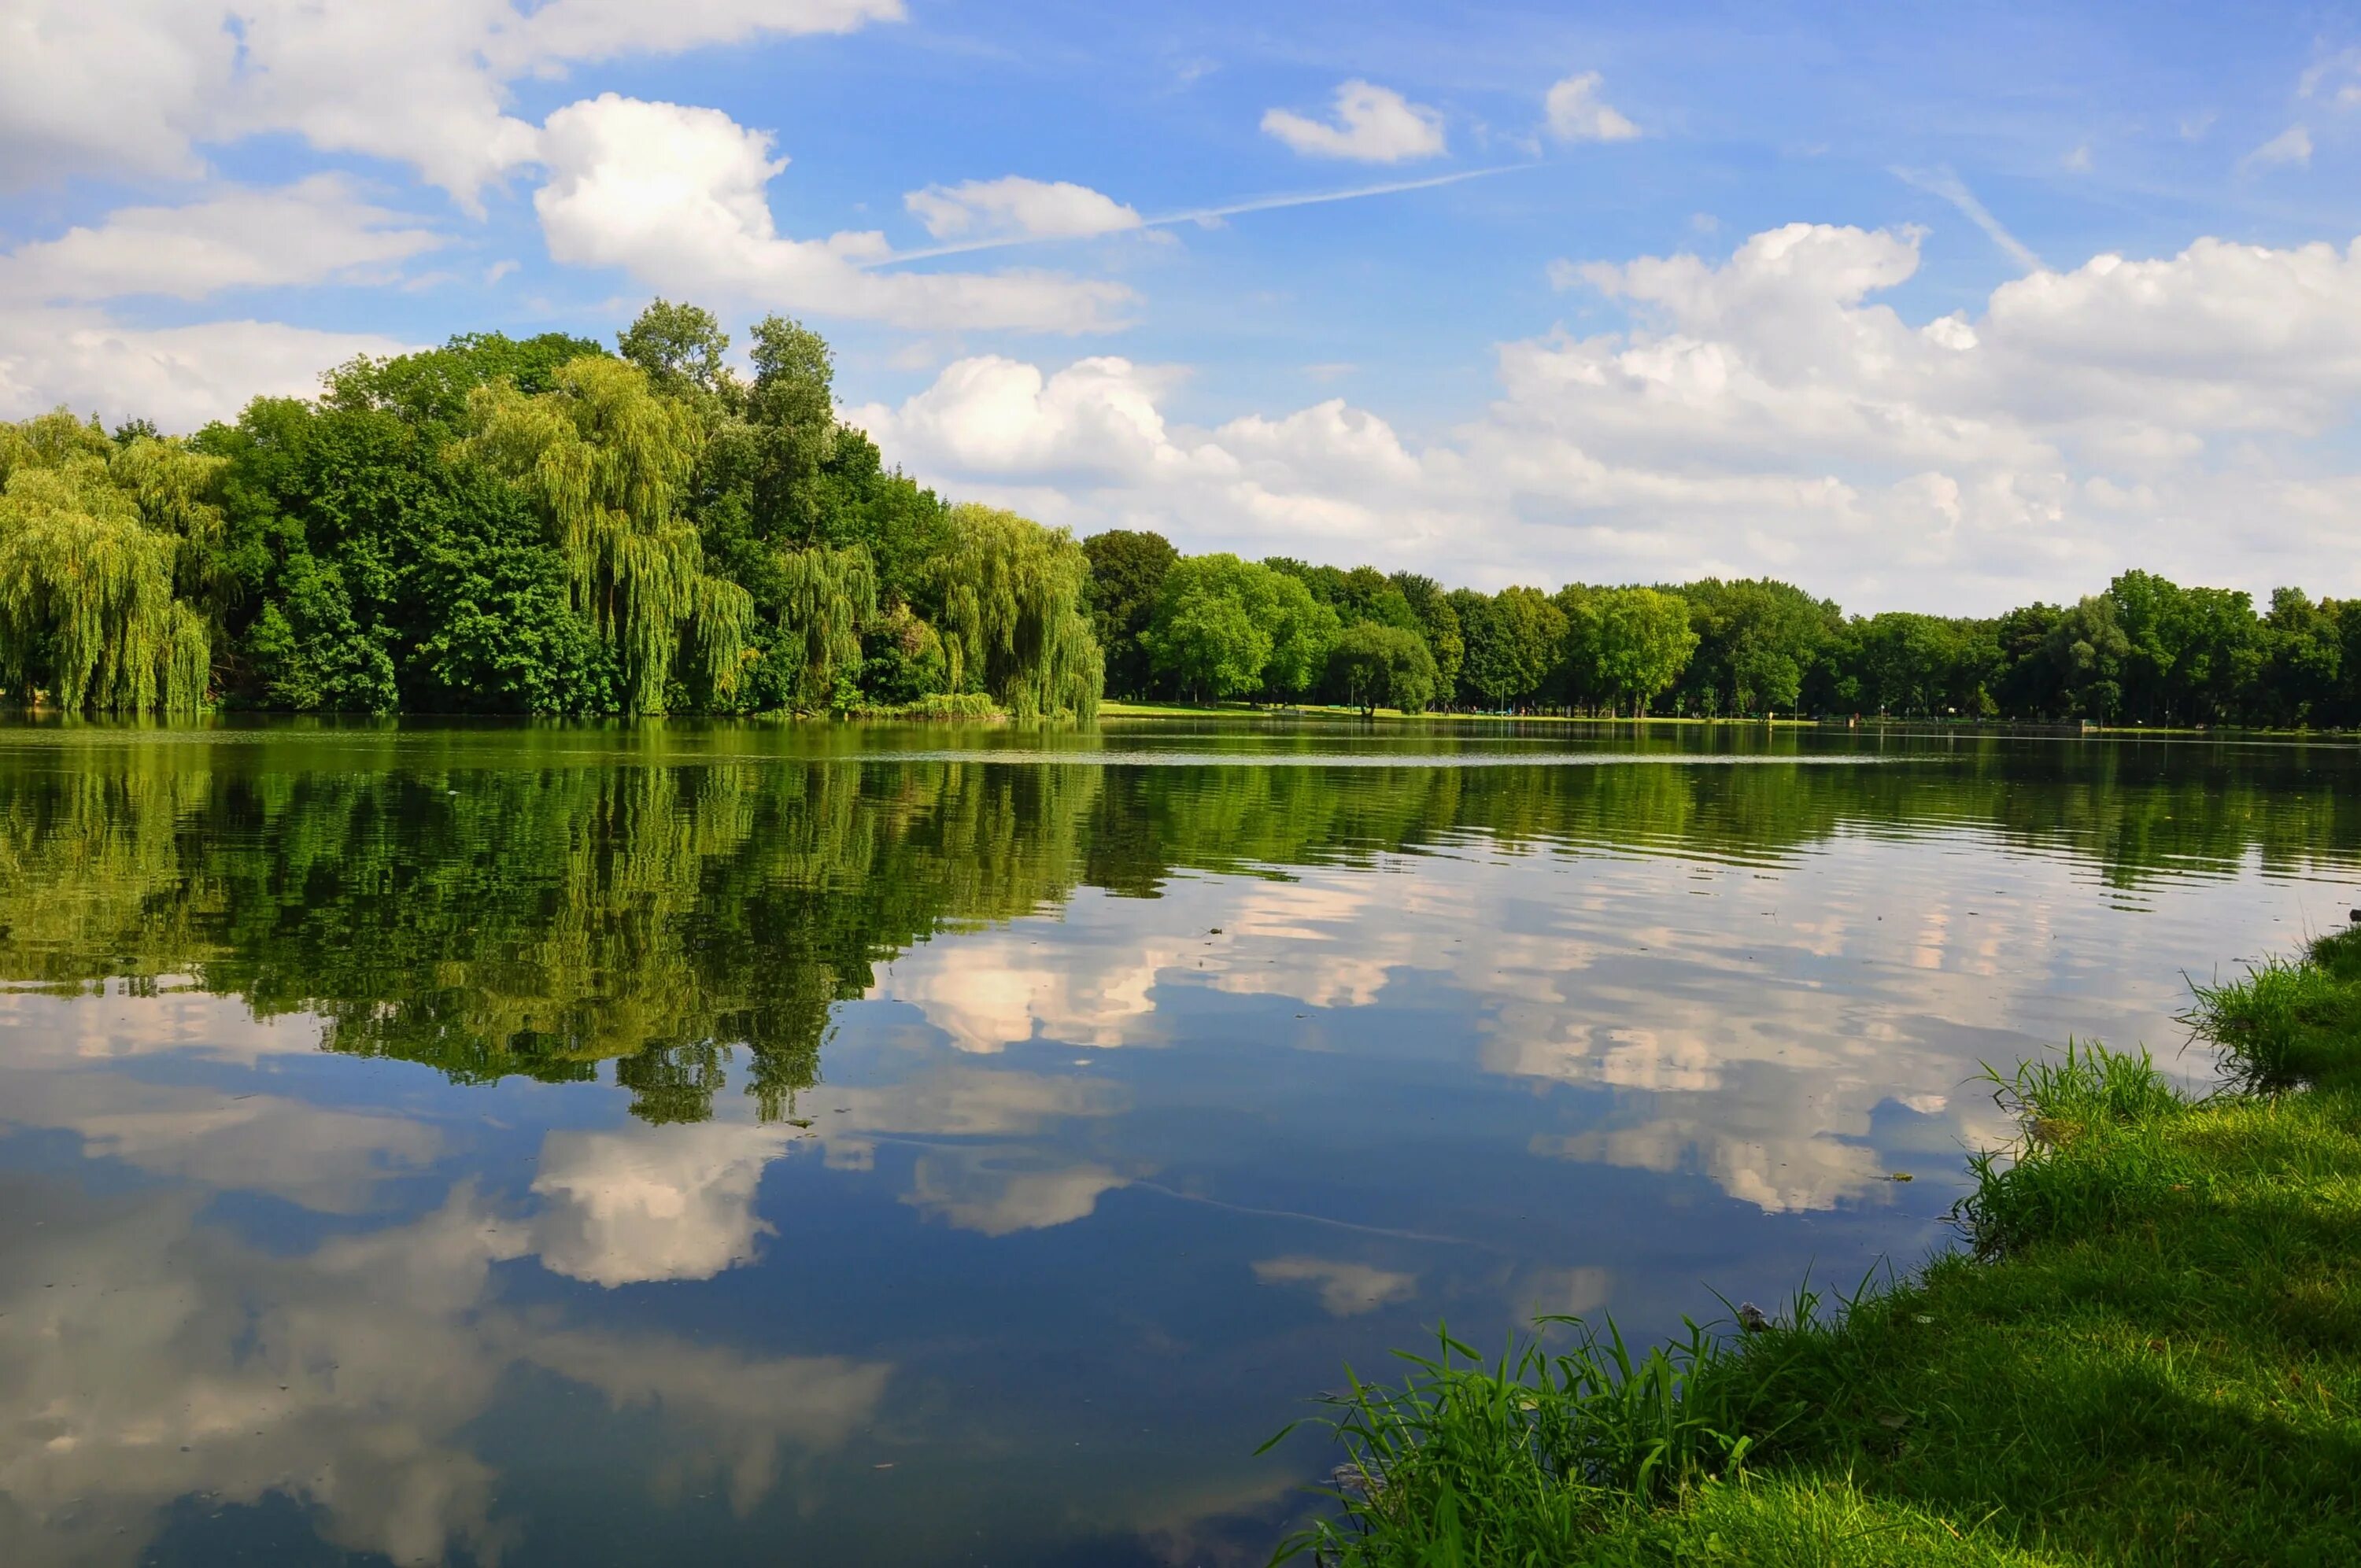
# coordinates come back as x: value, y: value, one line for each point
x: 2137, y: 813
x: 532, y: 923
x: 607, y: 900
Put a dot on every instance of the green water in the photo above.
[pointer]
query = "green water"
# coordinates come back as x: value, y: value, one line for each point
x: 863, y: 1145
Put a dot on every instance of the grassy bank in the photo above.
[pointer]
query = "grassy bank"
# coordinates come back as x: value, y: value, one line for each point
x: 2148, y: 1351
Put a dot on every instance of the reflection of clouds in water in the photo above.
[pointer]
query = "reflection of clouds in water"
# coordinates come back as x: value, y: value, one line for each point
x: 67, y: 1031
x: 989, y: 989
x: 1088, y: 980
x: 53, y: 1075
x: 651, y: 1203
x: 1587, y: 980
x: 144, y: 1358
x: 962, y: 1100
x: 997, y: 1189
x: 1768, y: 1106
x: 1561, y: 1293
x: 1328, y: 951
x: 1000, y: 1192
x: 643, y: 1203
x: 1777, y: 1110
x: 1757, y: 1071
x: 1780, y: 1173
x: 1346, y: 1290
x: 325, y: 1160
x: 735, y: 1410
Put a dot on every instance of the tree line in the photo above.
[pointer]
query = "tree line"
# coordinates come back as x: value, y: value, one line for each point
x: 527, y: 526
x: 547, y: 525
x: 2146, y: 651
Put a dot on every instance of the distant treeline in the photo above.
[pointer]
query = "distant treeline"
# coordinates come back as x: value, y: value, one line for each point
x: 547, y: 526
x: 2146, y: 651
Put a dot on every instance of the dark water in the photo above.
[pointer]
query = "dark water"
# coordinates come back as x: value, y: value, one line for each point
x: 767, y: 1145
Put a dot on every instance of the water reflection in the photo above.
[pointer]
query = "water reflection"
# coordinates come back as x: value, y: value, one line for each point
x: 150, y: 1356
x: 759, y: 1144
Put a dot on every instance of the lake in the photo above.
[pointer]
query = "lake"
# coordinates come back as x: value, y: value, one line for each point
x: 713, y: 1143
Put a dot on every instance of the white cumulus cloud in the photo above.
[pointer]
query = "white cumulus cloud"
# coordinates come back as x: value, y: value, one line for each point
x: 1576, y: 112
x: 1013, y: 206
x: 1370, y: 124
x: 674, y: 196
x: 316, y: 230
x: 1766, y: 413
x: 136, y: 86
x: 178, y: 375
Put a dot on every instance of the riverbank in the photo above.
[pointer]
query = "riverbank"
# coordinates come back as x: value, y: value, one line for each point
x: 1113, y: 709
x: 2148, y: 1351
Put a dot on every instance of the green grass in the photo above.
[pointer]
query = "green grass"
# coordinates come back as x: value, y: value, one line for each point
x: 2148, y: 1352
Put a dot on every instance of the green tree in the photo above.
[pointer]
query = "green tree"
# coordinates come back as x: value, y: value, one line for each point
x: 310, y: 650
x: 831, y: 596
x: 2088, y: 650
x: 2027, y: 685
x: 1376, y: 665
x: 92, y: 537
x: 1224, y: 627
x: 1206, y: 642
x: 1438, y: 622
x: 605, y: 459
x: 1127, y: 568
x: 1904, y: 663
x: 681, y: 349
x: 2306, y: 657
x: 1303, y: 630
x: 1513, y: 640
x: 791, y: 423
x: 492, y: 626
x: 1625, y: 646
x: 429, y: 391
x: 1757, y: 640
x: 1006, y: 599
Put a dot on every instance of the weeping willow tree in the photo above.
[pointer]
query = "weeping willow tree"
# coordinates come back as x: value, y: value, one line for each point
x: 606, y: 459
x: 829, y: 596
x: 1009, y: 596
x: 92, y: 539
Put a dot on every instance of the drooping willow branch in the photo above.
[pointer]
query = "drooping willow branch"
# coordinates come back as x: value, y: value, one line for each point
x: 1011, y: 614
x: 91, y: 538
x: 605, y: 459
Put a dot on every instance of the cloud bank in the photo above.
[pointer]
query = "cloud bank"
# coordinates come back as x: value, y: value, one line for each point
x: 1767, y: 413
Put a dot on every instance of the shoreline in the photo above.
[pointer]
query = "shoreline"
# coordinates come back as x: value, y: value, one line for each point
x: 2147, y: 1350
x: 2002, y: 727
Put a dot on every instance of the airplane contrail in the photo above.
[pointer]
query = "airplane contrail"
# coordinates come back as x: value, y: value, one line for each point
x: 1205, y: 214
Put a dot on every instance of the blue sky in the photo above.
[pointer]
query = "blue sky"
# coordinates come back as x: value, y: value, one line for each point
x: 1828, y: 292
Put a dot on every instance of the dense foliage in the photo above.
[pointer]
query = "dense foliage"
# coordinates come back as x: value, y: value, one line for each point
x: 535, y: 526
x: 2144, y: 652
x: 543, y: 526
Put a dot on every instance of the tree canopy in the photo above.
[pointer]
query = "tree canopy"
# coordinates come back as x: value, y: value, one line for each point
x: 527, y: 525
x: 542, y: 525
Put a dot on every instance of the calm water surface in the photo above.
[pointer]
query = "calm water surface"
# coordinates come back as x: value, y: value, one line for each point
x: 860, y: 1146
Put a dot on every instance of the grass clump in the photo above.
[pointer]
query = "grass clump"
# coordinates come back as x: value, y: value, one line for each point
x: 1522, y: 1459
x: 2149, y: 1351
x: 2290, y: 1021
